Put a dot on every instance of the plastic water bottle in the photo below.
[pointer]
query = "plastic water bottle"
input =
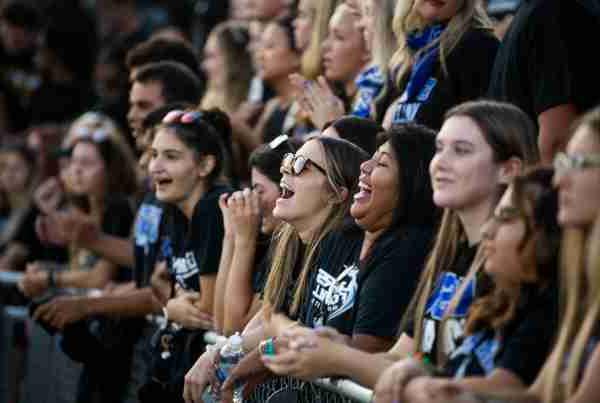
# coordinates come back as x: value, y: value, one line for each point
x: 231, y: 353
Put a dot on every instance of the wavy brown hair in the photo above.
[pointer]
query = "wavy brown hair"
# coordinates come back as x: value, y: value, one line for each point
x: 537, y: 202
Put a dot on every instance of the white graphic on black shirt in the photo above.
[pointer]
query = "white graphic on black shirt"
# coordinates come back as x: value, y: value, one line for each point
x: 184, y: 267
x: 406, y: 111
x: 447, y: 286
x: 333, y: 296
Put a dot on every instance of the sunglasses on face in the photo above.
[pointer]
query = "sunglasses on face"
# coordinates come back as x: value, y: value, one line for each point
x: 564, y: 163
x: 296, y: 164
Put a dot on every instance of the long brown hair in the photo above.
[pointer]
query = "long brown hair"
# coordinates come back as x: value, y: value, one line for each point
x: 510, y: 134
x: 534, y: 197
x: 343, y: 161
x: 233, y: 39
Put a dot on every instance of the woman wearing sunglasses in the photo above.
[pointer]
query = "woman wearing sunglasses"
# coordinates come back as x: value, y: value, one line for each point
x: 249, y: 226
x: 185, y: 164
x: 475, y: 157
x: 394, y: 208
x: 316, y: 190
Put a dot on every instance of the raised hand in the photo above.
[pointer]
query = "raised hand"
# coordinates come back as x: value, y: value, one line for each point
x: 318, y: 100
x: 245, y: 215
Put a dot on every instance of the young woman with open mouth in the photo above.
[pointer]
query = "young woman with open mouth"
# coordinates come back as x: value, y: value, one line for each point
x: 186, y: 162
x: 101, y: 177
x: 394, y: 208
x: 475, y: 157
x: 249, y: 226
x: 316, y: 188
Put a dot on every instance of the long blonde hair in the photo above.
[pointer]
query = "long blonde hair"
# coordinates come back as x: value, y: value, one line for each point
x: 580, y: 296
x: 343, y: 161
x: 312, y: 59
x: 471, y: 14
x: 384, y: 40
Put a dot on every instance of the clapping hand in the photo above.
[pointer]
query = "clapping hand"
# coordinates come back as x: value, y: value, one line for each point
x: 317, y: 100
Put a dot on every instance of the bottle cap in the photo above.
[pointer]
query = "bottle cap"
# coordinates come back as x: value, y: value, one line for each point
x: 236, y: 341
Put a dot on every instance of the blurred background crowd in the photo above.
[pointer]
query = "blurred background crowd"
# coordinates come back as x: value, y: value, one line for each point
x: 130, y: 249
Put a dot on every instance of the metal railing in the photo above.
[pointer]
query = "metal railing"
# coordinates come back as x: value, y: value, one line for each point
x: 47, y: 375
x: 344, y: 387
x: 10, y: 277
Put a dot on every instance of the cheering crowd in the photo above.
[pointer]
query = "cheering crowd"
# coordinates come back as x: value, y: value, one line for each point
x: 405, y: 193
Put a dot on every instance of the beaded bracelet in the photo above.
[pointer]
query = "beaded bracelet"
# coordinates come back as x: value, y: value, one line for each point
x: 267, y: 347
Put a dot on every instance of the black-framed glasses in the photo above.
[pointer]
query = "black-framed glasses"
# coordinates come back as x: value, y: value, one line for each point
x: 296, y: 164
x: 564, y: 163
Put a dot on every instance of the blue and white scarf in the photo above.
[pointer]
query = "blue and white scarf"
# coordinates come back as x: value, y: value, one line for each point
x: 369, y: 83
x: 423, y: 66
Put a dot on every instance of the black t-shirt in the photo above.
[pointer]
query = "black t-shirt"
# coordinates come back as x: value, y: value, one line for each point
x: 262, y: 264
x: 146, y: 236
x: 25, y: 234
x: 545, y: 60
x: 275, y: 124
x: 333, y: 281
x: 521, y: 347
x: 18, y: 80
x: 447, y: 285
x: 469, y: 67
x: 194, y: 249
x: 370, y: 296
x: 60, y: 102
x: 116, y: 220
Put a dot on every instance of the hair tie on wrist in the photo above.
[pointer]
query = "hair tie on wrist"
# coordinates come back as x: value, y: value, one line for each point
x: 267, y: 347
